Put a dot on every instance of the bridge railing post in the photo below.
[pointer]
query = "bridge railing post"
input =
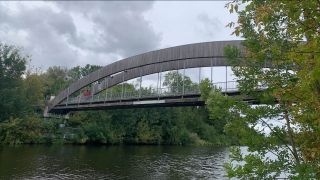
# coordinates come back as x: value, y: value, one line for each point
x: 211, y: 71
x: 122, y: 91
x: 67, y: 96
x: 79, y: 98
x: 226, y: 80
x: 158, y: 85
x: 106, y: 89
x: 140, y: 84
x: 199, y: 79
x: 92, y: 93
x: 111, y: 93
x: 184, y: 73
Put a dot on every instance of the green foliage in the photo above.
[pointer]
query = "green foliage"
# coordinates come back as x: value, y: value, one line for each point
x: 276, y: 58
x: 147, y: 134
x: 78, y: 72
x: 219, y: 110
x: 12, y: 67
x: 56, y: 79
x: 17, y: 131
x: 148, y: 126
x: 34, y: 88
x: 175, y: 81
x: 205, y: 88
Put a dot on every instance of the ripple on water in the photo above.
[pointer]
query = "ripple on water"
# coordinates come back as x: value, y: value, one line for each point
x: 113, y: 162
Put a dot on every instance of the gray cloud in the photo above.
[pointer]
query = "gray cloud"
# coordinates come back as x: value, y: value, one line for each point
x: 68, y: 33
x: 120, y: 27
x: 209, y: 25
x: 41, y: 32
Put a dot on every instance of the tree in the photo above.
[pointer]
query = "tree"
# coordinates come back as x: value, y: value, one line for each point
x: 34, y: 89
x: 282, y: 55
x: 218, y: 107
x: 175, y: 82
x: 56, y: 80
x: 12, y: 67
x: 78, y: 72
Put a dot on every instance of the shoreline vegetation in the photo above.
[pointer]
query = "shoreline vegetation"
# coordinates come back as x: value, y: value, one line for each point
x: 163, y: 126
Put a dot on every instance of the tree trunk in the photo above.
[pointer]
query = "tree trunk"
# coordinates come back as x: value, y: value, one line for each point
x: 291, y: 138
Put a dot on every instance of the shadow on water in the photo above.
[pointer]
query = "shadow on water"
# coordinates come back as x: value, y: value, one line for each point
x: 112, y: 162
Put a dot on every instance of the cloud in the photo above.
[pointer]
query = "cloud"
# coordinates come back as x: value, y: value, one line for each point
x: 42, y: 33
x: 119, y: 27
x: 209, y: 26
x: 69, y: 34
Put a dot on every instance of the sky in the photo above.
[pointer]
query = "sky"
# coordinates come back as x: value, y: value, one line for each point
x: 76, y: 33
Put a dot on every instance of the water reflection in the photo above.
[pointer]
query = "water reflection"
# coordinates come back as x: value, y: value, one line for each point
x: 112, y: 162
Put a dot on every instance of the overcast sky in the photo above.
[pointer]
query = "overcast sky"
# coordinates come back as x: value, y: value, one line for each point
x: 78, y: 33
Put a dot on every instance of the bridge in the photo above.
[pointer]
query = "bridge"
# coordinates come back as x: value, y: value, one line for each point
x: 101, y: 82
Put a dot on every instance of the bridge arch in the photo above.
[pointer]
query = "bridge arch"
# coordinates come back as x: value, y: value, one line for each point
x: 205, y: 54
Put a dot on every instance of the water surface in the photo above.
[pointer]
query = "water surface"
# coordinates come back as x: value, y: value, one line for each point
x: 112, y: 162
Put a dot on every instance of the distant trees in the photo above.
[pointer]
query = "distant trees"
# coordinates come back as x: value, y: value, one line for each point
x: 79, y: 72
x: 176, y: 81
x: 58, y: 78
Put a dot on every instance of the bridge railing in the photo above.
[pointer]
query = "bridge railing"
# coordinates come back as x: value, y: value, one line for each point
x: 171, y: 91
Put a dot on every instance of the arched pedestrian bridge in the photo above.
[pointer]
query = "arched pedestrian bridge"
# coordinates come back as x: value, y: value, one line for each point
x: 208, y: 54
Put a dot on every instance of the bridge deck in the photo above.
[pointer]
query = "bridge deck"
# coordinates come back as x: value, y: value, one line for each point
x: 173, y: 96
x: 164, y: 101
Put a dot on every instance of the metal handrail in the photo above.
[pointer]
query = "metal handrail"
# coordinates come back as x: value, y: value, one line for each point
x: 231, y: 86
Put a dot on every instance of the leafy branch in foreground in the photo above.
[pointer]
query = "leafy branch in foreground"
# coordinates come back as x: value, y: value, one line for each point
x: 282, y: 45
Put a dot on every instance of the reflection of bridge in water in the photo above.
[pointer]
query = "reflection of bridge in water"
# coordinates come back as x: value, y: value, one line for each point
x: 102, y: 81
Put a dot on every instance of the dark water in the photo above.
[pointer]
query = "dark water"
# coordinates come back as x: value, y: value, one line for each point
x: 112, y: 162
